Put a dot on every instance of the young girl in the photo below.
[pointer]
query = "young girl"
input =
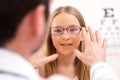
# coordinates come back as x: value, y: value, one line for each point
x: 64, y: 36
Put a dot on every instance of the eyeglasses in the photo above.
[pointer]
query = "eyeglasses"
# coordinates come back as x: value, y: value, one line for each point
x: 73, y: 30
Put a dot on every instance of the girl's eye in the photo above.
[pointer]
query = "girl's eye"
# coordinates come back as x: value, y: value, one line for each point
x: 73, y: 30
x: 57, y: 30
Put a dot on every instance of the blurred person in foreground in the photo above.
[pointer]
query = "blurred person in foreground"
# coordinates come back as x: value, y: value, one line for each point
x: 22, y: 31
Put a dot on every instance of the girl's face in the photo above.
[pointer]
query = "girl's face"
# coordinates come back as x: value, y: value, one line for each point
x: 66, y: 33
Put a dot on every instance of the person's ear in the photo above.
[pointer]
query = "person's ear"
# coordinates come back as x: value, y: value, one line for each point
x: 38, y: 20
x: 81, y: 35
x: 83, y: 31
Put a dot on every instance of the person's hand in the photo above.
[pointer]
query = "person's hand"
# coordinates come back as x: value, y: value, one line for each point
x: 95, y: 48
x: 38, y: 59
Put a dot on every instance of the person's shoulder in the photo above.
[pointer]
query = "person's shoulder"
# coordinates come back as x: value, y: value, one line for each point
x: 10, y: 76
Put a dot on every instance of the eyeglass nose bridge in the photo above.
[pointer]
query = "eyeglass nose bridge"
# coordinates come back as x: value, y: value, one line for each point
x: 65, y: 29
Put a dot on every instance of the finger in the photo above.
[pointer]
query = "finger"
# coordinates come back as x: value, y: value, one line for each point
x: 79, y: 55
x: 92, y: 34
x: 50, y: 58
x: 98, y: 38
x: 104, y: 45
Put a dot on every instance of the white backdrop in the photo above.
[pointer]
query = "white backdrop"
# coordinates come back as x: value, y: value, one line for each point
x: 103, y: 15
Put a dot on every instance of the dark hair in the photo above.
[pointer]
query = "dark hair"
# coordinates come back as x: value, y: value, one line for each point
x: 12, y: 13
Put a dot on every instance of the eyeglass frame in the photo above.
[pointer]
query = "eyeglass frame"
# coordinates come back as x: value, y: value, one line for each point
x: 66, y: 30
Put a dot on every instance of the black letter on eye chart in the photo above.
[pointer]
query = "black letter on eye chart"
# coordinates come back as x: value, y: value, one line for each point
x: 108, y: 12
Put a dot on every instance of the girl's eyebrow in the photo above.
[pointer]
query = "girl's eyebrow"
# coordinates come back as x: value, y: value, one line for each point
x: 57, y: 26
x: 74, y: 25
x: 68, y: 26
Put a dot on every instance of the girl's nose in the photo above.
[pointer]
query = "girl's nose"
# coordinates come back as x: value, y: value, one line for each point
x: 65, y: 35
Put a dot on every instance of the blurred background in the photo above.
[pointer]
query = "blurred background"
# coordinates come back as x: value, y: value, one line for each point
x: 102, y: 15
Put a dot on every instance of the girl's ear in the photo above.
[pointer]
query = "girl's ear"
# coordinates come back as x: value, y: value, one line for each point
x: 82, y: 33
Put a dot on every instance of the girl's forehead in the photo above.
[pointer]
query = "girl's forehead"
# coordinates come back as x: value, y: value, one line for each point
x: 65, y: 19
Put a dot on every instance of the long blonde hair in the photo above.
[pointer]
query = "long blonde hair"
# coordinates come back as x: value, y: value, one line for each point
x: 82, y: 70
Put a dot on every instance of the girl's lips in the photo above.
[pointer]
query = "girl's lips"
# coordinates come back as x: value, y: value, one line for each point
x: 66, y: 44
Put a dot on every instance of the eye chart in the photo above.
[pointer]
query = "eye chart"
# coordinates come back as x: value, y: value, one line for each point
x: 106, y: 16
x: 110, y: 26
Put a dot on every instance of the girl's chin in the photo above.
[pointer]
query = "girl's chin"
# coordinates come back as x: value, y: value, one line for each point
x: 66, y: 52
